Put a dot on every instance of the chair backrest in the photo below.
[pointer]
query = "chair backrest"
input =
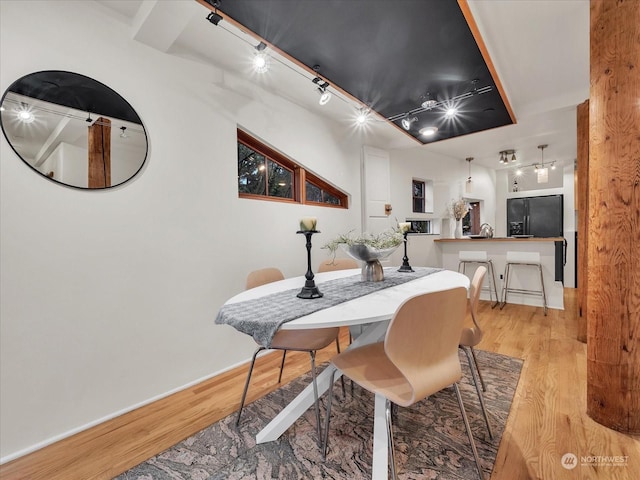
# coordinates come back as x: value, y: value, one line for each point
x: 474, y: 298
x: 263, y: 276
x: 337, y: 264
x: 475, y: 288
x: 422, y: 341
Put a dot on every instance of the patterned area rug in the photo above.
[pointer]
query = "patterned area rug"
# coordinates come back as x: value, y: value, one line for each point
x: 430, y: 438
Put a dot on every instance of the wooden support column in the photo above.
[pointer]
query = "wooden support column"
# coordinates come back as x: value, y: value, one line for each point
x: 582, y: 197
x: 613, y: 301
x: 100, y: 154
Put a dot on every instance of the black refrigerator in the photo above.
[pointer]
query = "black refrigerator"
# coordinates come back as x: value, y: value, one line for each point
x: 537, y: 216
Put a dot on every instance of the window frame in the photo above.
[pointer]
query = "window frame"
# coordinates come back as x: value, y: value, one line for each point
x: 423, y: 198
x: 299, y: 178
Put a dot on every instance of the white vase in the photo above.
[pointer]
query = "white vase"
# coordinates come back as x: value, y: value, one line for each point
x: 458, y: 231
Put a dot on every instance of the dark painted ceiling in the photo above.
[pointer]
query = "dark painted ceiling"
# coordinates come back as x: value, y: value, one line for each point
x: 388, y: 55
x: 75, y: 91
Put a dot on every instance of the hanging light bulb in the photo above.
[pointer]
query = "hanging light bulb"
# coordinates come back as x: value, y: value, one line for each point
x: 468, y: 186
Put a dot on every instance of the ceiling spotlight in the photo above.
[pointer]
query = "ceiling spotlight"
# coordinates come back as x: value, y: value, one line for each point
x: 428, y: 131
x: 325, y: 96
x: 428, y: 102
x: 504, y: 156
x: 407, y: 121
x: 451, y: 112
x: 260, y: 60
x: 25, y: 116
x: 363, y: 116
x: 518, y: 172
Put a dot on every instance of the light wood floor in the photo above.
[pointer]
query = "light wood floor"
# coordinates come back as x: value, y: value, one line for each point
x: 547, y: 419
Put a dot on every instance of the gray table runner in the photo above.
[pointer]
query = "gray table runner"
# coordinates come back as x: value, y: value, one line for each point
x: 262, y: 317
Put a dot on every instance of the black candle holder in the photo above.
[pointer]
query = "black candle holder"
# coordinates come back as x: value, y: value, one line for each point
x: 405, y: 267
x: 309, y: 290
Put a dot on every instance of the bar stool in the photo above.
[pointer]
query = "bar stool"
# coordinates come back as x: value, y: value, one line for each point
x: 479, y: 256
x: 527, y: 259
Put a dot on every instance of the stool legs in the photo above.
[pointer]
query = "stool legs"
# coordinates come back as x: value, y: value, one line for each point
x: 544, y: 294
x: 492, y: 278
x: 493, y: 287
x: 506, y: 289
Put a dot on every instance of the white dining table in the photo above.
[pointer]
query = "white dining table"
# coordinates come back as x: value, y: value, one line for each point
x: 371, y: 313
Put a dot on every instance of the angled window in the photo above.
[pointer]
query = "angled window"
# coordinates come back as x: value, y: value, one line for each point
x: 266, y: 174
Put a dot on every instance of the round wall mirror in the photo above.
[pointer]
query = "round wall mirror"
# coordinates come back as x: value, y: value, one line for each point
x: 73, y: 129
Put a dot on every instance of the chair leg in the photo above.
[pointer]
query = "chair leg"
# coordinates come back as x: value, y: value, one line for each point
x: 392, y: 456
x: 469, y: 434
x: 344, y: 392
x: 475, y: 360
x: 312, y: 354
x: 328, y: 417
x: 246, y: 384
x: 284, y: 355
x: 480, y: 396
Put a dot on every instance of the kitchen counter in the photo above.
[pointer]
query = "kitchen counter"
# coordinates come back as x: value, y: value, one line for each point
x: 501, y: 239
x: 551, y: 253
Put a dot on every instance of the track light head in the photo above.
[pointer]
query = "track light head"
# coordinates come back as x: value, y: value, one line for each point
x: 407, y: 121
x: 214, y: 18
x: 324, y: 96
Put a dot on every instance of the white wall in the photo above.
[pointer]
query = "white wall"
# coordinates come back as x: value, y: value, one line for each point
x: 449, y: 175
x: 109, y: 297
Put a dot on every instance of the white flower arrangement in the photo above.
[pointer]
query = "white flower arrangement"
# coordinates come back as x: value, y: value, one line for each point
x: 458, y: 209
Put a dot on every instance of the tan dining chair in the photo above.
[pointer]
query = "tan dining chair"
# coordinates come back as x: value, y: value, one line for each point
x: 307, y: 340
x: 418, y: 357
x: 337, y: 264
x: 471, y: 337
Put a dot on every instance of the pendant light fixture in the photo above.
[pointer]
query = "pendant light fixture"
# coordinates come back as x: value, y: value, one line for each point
x: 504, y: 156
x: 468, y: 186
x: 542, y: 171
